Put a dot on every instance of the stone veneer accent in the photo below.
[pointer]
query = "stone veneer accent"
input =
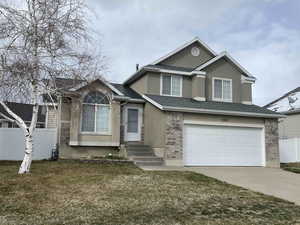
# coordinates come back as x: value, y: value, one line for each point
x: 174, y: 136
x: 272, y: 143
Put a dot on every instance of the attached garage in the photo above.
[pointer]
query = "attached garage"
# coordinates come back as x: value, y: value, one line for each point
x: 215, y: 145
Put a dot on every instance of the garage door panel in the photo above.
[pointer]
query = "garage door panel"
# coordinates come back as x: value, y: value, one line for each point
x: 222, y: 146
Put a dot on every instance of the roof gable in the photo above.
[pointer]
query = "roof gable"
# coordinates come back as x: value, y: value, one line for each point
x: 107, y: 84
x: 232, y: 60
x: 177, y: 50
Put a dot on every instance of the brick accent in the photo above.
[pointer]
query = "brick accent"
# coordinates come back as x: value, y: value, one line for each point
x: 174, y: 136
x: 272, y: 143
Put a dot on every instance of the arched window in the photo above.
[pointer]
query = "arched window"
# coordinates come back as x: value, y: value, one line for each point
x: 96, y: 113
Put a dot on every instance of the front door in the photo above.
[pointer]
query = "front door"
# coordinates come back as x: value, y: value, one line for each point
x: 133, y: 121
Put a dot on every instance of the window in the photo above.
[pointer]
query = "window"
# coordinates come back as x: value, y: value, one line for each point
x: 222, y: 89
x: 96, y: 113
x: 171, y: 85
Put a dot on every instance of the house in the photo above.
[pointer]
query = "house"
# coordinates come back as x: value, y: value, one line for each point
x: 25, y: 112
x: 289, y: 105
x: 191, y: 107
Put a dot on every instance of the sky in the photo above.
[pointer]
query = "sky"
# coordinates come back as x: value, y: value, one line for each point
x: 262, y: 35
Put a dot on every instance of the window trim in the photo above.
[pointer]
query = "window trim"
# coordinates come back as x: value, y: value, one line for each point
x: 161, y: 85
x: 213, y: 89
x: 95, y: 123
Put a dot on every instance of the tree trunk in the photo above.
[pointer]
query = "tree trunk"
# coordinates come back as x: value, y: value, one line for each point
x: 26, y: 163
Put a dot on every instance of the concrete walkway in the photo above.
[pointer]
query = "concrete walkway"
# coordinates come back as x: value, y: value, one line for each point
x: 270, y: 181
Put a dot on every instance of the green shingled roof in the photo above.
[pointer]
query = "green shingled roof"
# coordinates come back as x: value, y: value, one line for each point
x: 173, y: 103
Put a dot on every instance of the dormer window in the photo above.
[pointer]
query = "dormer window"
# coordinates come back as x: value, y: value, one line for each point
x: 222, y: 89
x: 171, y: 85
x: 96, y: 113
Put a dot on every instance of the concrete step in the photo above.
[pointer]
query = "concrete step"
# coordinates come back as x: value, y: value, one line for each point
x: 148, y: 159
x: 149, y: 163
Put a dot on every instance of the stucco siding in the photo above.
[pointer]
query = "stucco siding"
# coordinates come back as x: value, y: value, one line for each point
x: 154, y: 128
x: 186, y: 87
x: 198, y: 87
x: 140, y: 85
x: 74, y: 143
x: 246, y: 92
x: 153, y: 85
x: 184, y: 58
x: 289, y: 127
x: 224, y: 69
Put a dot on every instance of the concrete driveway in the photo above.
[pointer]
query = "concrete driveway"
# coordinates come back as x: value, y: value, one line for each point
x: 270, y: 181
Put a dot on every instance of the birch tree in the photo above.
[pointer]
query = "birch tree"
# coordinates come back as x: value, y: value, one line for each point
x: 39, y: 41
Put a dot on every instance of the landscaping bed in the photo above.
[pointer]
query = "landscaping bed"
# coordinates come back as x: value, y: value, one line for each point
x: 72, y: 192
x: 292, y: 167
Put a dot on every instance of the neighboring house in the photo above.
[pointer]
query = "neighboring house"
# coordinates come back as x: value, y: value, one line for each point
x: 25, y: 112
x: 289, y: 105
x: 193, y: 107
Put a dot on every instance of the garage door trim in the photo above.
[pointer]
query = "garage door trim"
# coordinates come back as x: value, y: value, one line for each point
x: 225, y: 124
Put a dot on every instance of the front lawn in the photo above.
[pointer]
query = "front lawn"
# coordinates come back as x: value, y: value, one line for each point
x: 67, y: 192
x: 292, y: 167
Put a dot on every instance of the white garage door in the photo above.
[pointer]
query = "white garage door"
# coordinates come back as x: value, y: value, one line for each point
x: 222, y: 146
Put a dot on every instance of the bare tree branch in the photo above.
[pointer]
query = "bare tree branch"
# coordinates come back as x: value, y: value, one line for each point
x: 43, y: 41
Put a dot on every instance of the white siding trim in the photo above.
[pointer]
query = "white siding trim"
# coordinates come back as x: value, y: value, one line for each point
x: 153, y: 102
x: 247, y: 102
x: 201, y: 99
x: 181, y: 72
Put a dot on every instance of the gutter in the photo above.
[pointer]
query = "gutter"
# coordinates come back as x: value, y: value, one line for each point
x: 128, y: 99
x: 221, y: 112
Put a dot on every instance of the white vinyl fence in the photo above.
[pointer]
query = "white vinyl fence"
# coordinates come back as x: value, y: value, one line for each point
x: 289, y: 150
x: 12, y: 143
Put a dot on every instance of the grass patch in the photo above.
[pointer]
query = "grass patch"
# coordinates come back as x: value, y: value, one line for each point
x: 70, y: 192
x: 292, y: 167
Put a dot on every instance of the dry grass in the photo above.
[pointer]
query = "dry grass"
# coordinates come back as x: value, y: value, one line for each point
x: 67, y: 192
x: 292, y: 167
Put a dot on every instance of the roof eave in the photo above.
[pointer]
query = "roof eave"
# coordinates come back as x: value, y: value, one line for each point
x: 139, y: 73
x: 209, y: 111
x: 222, y: 112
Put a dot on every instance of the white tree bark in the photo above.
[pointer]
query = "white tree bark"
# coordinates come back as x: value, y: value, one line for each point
x: 28, y: 133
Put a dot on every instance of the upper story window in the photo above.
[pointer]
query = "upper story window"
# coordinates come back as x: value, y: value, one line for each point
x: 96, y: 113
x: 171, y: 85
x: 222, y: 89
